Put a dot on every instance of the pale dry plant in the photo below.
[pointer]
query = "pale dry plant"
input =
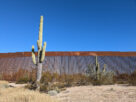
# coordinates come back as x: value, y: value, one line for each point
x: 23, y: 95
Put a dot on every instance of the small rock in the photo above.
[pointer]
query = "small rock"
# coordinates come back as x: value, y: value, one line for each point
x: 52, y: 92
x: 111, y: 89
x: 12, y: 85
x: 16, y: 85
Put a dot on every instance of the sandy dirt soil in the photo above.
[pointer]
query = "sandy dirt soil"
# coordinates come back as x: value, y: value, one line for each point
x: 105, y: 93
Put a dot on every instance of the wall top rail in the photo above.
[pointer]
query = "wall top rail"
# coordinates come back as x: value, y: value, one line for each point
x: 70, y: 53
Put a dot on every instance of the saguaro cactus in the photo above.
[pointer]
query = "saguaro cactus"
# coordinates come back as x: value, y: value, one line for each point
x: 41, y: 54
x: 97, y: 68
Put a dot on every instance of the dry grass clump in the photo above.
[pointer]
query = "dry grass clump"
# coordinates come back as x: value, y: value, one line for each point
x: 132, y: 78
x: 122, y: 78
x: 125, y: 78
x: 21, y: 76
x: 23, y: 95
x: 77, y: 80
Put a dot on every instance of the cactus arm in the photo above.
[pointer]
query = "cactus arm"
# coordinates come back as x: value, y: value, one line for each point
x: 96, y: 64
x: 96, y: 61
x: 98, y: 68
x: 104, y: 68
x: 40, y: 32
x: 43, y: 52
x: 97, y: 72
x: 33, y: 55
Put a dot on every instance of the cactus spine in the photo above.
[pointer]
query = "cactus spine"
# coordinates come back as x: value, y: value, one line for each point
x: 41, y: 54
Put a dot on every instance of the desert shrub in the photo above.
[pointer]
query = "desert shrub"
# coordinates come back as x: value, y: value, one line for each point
x: 54, y: 81
x: 46, y: 77
x: 132, y: 78
x: 32, y: 75
x: 23, y: 80
x: 7, y: 77
x: 25, y: 76
x: 81, y: 79
x: 21, y: 76
x: 125, y: 78
x: 62, y: 77
x: 106, y: 78
x: 55, y: 77
x: 98, y: 77
x: 45, y: 87
x: 76, y: 79
x: 59, y: 85
x: 50, y: 77
x: 31, y: 86
x: 122, y: 78
x: 69, y: 80
x: 0, y: 76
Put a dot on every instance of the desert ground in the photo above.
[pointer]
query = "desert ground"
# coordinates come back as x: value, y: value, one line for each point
x: 17, y: 93
x: 104, y: 93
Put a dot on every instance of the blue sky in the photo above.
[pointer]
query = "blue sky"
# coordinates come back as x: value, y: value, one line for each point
x: 69, y: 25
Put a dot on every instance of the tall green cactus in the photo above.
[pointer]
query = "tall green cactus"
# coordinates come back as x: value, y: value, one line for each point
x: 41, y: 54
x: 97, y: 68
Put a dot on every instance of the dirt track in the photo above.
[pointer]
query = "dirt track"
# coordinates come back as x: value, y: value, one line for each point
x: 109, y: 93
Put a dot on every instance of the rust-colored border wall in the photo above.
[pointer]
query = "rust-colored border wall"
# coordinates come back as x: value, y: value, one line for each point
x: 76, y: 53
